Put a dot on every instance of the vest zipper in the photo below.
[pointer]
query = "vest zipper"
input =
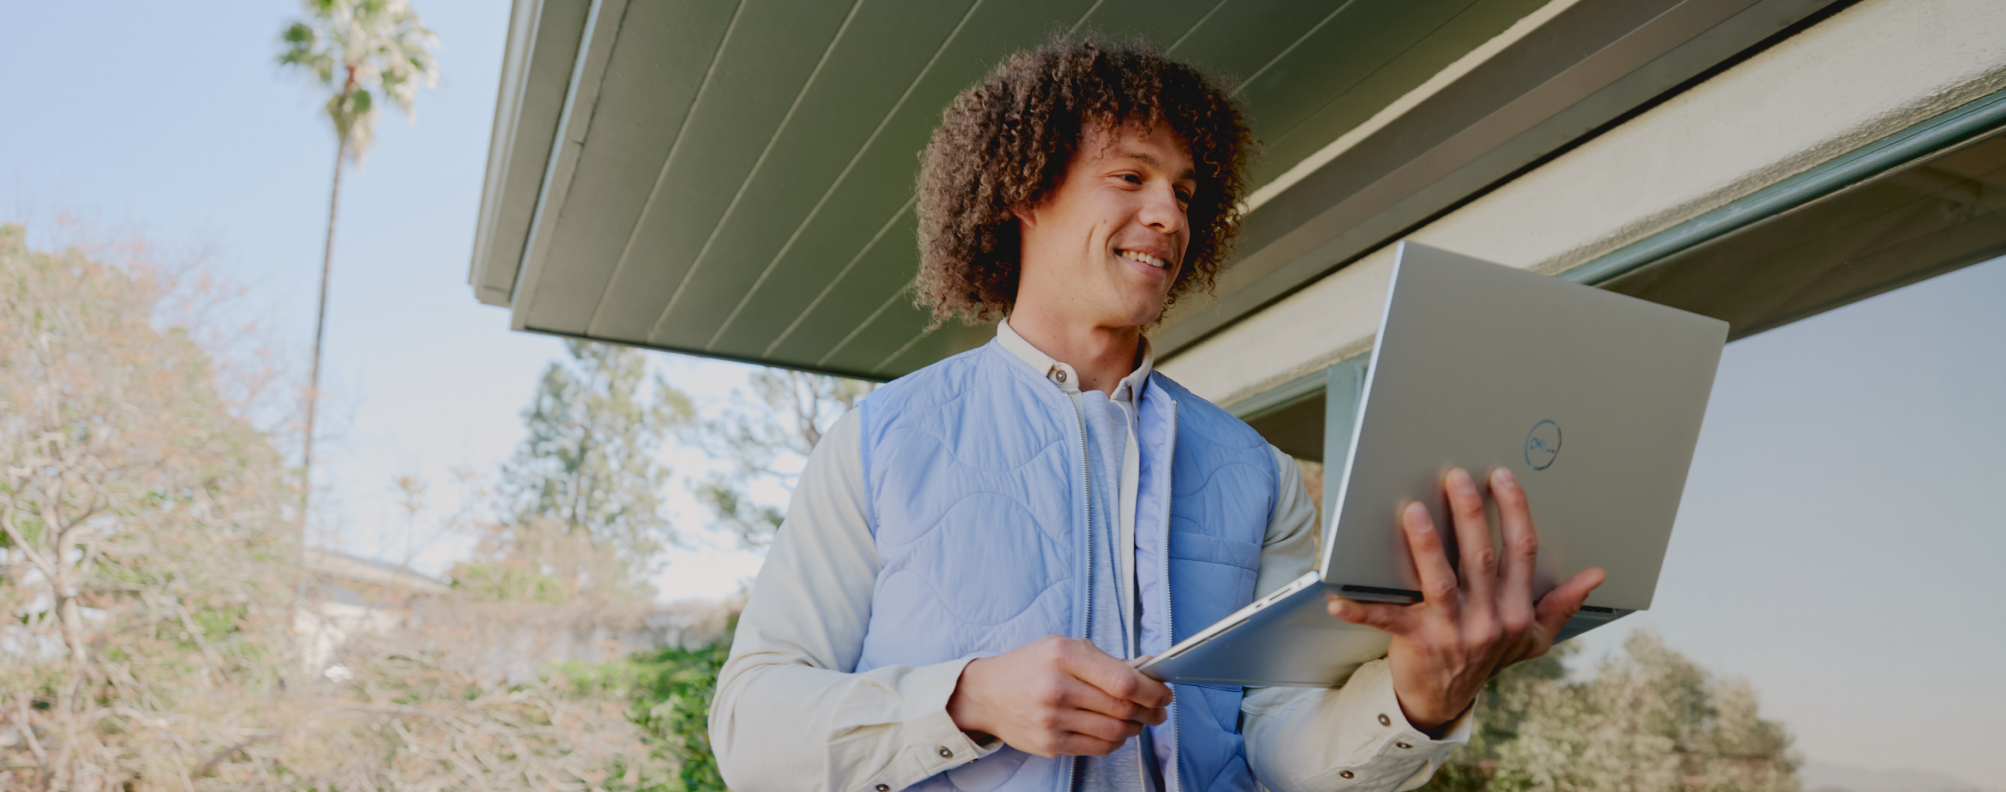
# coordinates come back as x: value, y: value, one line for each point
x: 1170, y: 626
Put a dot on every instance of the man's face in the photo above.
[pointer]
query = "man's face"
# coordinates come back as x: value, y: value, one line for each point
x: 1106, y: 245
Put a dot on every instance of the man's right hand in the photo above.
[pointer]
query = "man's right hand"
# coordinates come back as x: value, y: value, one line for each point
x: 1057, y: 696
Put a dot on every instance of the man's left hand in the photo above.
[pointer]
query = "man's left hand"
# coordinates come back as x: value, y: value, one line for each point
x: 1469, y: 626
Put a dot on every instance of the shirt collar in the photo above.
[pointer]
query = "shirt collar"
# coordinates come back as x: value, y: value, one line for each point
x: 1060, y: 374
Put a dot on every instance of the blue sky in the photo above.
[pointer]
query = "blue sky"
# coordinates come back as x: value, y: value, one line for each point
x: 1836, y: 545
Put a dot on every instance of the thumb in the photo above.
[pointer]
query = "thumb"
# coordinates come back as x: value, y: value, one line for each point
x: 1383, y: 616
x: 1560, y: 604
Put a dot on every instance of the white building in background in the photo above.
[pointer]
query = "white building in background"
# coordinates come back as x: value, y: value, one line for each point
x: 351, y: 599
x: 350, y: 596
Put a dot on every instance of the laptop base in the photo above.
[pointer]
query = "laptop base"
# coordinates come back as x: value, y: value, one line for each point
x: 1293, y: 641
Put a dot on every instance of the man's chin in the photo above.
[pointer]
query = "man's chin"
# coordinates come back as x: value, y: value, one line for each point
x: 1146, y: 319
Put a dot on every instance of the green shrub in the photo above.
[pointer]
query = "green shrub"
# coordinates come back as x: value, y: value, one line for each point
x: 669, y: 695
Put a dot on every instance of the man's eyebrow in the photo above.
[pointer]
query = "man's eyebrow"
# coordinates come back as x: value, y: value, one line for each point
x: 1149, y: 159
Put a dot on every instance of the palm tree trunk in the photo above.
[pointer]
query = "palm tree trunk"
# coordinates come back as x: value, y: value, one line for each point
x: 313, y: 382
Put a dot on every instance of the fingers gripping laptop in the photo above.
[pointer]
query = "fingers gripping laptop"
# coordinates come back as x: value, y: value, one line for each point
x: 1592, y: 399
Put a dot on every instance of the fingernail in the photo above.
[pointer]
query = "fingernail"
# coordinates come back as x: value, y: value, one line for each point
x: 1460, y: 479
x: 1417, y: 518
x: 1505, y: 478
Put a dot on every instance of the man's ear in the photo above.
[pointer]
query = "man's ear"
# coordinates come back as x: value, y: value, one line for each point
x: 1026, y: 216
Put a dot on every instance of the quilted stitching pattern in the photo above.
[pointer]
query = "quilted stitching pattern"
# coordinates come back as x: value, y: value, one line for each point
x: 947, y: 486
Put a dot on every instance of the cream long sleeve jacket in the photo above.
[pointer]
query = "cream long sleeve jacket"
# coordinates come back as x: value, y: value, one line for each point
x: 790, y: 715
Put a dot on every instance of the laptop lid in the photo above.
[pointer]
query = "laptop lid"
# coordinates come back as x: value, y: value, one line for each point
x: 1593, y: 400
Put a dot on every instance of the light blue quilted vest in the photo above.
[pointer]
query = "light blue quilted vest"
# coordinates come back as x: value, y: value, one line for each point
x: 975, y: 480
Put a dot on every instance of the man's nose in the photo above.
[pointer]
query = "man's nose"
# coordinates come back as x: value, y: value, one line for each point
x: 1161, y: 210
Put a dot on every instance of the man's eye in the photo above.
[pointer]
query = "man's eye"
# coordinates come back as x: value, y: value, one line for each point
x: 1131, y: 178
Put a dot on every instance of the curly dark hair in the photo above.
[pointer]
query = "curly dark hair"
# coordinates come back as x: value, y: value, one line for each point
x: 1006, y: 142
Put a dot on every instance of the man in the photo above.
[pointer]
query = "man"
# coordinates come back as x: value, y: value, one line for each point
x: 976, y: 559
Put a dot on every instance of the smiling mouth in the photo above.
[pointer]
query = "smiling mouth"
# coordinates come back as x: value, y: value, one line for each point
x: 1145, y: 258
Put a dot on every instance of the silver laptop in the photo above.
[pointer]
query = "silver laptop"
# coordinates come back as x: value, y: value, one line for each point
x: 1591, y: 398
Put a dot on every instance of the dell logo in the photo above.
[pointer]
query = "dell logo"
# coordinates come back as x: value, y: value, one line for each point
x: 1542, y: 444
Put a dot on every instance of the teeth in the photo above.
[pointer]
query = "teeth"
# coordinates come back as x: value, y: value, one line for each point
x: 1144, y: 258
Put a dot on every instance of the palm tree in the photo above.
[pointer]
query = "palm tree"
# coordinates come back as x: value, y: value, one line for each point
x: 360, y: 50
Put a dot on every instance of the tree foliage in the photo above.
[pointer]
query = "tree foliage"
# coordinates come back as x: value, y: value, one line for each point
x: 581, y: 499
x: 669, y: 693
x: 146, y: 567
x: 425, y: 702
x: 1648, y: 719
x: 137, y: 531
x: 766, y: 442
x: 360, y: 51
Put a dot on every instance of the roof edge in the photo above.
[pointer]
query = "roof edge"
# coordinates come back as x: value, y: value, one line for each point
x: 543, y: 41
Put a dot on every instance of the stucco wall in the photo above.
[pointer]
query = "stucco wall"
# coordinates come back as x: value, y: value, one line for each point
x: 1867, y: 72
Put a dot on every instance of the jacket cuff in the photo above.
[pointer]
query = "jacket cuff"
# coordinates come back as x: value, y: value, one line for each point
x: 1353, y: 738
x: 932, y: 743
x: 1402, y: 757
